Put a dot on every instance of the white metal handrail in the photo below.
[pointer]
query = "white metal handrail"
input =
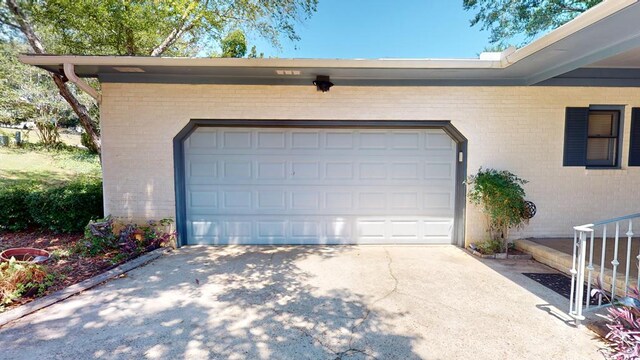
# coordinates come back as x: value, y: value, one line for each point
x: 583, y: 268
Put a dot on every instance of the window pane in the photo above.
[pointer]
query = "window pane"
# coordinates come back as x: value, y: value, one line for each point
x: 601, y: 149
x: 601, y: 124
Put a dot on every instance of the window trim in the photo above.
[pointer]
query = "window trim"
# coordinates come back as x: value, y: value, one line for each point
x: 605, y: 164
x: 619, y: 109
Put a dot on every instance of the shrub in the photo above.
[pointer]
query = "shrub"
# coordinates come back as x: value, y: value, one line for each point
x: 48, y: 133
x: 67, y: 208
x: 624, y: 326
x: 22, y: 279
x: 85, y: 140
x: 490, y: 247
x: 101, y: 237
x: 14, y: 210
x: 501, y: 197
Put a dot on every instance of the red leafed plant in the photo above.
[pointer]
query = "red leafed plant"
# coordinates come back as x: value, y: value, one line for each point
x: 624, y: 327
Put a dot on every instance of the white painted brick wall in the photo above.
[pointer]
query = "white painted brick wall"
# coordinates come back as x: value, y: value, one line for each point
x: 515, y: 128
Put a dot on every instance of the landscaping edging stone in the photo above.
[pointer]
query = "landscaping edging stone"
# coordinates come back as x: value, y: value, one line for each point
x: 501, y: 256
x: 74, y: 289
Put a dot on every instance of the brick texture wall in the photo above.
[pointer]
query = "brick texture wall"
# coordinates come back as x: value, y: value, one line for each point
x: 520, y: 129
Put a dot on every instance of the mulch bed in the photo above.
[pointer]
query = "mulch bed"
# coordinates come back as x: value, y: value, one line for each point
x: 69, y: 269
x: 561, y: 284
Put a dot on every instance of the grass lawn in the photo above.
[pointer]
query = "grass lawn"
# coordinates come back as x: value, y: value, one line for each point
x: 43, y: 166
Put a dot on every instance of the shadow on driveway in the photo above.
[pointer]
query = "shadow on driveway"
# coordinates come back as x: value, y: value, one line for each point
x: 208, y: 302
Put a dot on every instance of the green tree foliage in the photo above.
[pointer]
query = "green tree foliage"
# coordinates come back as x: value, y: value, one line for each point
x: 28, y: 94
x: 152, y: 27
x: 506, y: 19
x: 142, y: 27
x: 234, y: 45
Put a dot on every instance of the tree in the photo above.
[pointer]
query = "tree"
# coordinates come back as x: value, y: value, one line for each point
x: 27, y: 94
x: 506, y: 19
x: 144, y: 27
x: 234, y: 45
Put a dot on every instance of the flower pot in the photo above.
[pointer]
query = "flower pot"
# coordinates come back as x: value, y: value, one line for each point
x: 26, y: 255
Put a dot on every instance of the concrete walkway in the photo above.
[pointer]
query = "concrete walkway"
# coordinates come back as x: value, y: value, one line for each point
x: 308, y: 303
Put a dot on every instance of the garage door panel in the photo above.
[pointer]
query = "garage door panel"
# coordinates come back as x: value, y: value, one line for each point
x: 271, y: 139
x: 321, y: 200
x: 405, y: 140
x: 305, y: 186
x: 301, y: 140
x: 438, y: 200
x: 203, y: 139
x: 439, y: 141
x: 438, y: 170
x: 236, y: 139
x: 321, y: 230
x: 272, y: 200
x: 272, y: 170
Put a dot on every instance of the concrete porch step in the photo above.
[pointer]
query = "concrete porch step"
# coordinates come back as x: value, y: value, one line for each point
x: 563, y: 262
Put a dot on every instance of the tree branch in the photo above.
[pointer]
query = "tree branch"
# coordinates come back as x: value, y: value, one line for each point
x: 571, y: 9
x: 25, y: 27
x: 176, y: 33
x: 4, y: 21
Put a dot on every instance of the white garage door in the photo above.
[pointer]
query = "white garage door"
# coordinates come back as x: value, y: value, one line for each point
x: 319, y: 186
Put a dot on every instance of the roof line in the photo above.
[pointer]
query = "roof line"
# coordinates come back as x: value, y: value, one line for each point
x: 33, y: 59
x: 588, y: 18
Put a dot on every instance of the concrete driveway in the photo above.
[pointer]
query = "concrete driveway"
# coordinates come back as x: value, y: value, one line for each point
x: 308, y: 303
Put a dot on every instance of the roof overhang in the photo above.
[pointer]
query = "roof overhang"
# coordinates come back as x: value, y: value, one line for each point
x: 606, y: 32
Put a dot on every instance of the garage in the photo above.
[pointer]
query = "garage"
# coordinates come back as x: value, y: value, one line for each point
x: 324, y: 185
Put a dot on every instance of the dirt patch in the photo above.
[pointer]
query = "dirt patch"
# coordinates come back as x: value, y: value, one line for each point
x: 67, y: 267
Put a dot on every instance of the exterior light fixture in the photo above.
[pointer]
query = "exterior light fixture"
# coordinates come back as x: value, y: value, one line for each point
x: 322, y: 83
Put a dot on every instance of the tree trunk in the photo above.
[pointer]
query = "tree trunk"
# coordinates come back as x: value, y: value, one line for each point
x: 36, y: 45
x: 81, y: 111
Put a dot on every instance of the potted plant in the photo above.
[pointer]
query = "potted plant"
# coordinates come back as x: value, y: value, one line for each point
x: 500, y: 196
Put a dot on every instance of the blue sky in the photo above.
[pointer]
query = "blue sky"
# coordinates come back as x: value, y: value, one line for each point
x: 384, y: 29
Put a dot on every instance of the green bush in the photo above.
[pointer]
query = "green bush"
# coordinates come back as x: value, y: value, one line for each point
x: 14, y: 211
x: 85, y: 140
x: 500, y: 195
x: 490, y: 247
x: 67, y: 208
x: 99, y: 238
x: 124, y: 241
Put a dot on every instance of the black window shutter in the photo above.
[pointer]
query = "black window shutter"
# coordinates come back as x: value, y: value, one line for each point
x: 575, y: 136
x: 634, y: 138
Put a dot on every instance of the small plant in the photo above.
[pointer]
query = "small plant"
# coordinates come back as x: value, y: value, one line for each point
x: 101, y: 237
x: 624, y: 326
x: 136, y: 239
x: 501, y: 198
x: 98, y: 238
x: 22, y: 279
x: 490, y: 247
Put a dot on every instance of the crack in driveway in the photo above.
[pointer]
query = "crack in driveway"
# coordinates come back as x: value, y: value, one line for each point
x: 368, y: 310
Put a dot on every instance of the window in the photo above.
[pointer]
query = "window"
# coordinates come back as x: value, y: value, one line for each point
x: 592, y: 137
x: 602, y: 138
